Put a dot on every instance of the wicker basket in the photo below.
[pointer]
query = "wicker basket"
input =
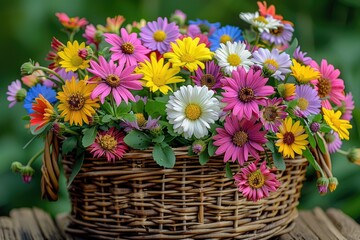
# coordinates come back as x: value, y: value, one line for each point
x: 136, y: 199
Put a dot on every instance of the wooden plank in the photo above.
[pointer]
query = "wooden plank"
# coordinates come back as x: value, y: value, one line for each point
x: 7, y: 231
x: 300, y: 232
x: 323, y: 218
x: 46, y: 225
x: 346, y: 225
x: 25, y: 223
x: 62, y: 221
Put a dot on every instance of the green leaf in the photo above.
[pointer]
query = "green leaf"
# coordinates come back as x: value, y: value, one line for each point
x: 211, y: 148
x: 137, y: 139
x: 309, y: 156
x: 158, y: 139
x: 155, y: 108
x: 107, y: 118
x: 321, y: 143
x: 279, y: 161
x: 325, y: 128
x: 291, y: 49
x: 204, y: 157
x: 311, y: 138
x: 89, y: 136
x: 26, y: 118
x: 108, y: 109
x: 228, y: 171
x: 164, y: 155
x: 122, y: 109
x: 39, y: 131
x: 128, y: 117
x: 138, y: 107
x: 69, y: 144
x: 163, y: 99
x: 270, y: 145
x: 30, y: 141
x: 314, y: 118
x: 76, y: 168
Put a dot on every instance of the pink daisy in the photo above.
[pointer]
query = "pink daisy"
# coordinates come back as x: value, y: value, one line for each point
x: 15, y: 93
x: 329, y: 85
x: 109, y: 144
x: 127, y: 48
x: 239, y: 139
x: 254, y: 183
x: 272, y: 114
x: 210, y: 78
x: 158, y: 35
x: 347, y: 107
x: 91, y: 36
x: 244, y: 92
x: 116, y: 80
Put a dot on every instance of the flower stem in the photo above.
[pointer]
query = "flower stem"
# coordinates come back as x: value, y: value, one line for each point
x: 51, y: 72
x: 34, y: 157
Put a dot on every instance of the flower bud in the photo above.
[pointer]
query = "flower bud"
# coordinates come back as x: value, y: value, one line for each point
x: 322, y: 184
x: 198, y: 147
x: 315, y: 126
x: 27, y: 68
x: 156, y: 130
x: 27, y: 172
x: 178, y: 17
x: 21, y: 95
x: 354, y: 155
x: 16, y: 167
x: 333, y: 182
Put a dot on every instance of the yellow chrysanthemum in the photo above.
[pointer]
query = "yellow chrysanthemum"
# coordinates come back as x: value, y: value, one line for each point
x: 302, y: 73
x: 157, y: 74
x: 189, y: 53
x: 76, y: 106
x: 70, y: 59
x: 292, y: 138
x: 340, y: 126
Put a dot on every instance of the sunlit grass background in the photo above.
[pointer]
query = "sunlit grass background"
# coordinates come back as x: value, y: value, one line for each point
x: 327, y: 29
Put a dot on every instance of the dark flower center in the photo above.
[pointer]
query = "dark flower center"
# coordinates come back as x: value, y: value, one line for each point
x: 208, y: 80
x: 256, y: 179
x: 246, y: 95
x: 240, y: 138
x: 270, y: 114
x: 324, y: 87
x: 127, y: 48
x: 76, y: 102
x: 277, y: 31
x: 289, y: 138
x: 112, y: 80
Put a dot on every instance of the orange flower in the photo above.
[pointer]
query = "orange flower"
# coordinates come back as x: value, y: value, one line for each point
x: 264, y: 11
x: 43, y: 112
x: 72, y: 23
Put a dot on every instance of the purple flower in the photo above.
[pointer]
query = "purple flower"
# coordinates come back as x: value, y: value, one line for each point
x: 158, y: 35
x: 308, y: 100
x: 63, y: 74
x: 282, y: 35
x: 272, y: 114
x: 299, y: 56
x: 210, y: 78
x: 347, y: 107
x: 333, y: 141
x: 127, y: 49
x: 15, y: 93
x: 204, y: 26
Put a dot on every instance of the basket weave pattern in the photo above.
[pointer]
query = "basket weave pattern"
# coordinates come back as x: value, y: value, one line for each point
x: 134, y: 198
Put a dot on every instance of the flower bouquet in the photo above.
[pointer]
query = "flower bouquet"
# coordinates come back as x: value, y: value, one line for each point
x: 168, y: 129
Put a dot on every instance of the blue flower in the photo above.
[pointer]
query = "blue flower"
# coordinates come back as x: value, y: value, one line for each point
x: 34, y: 92
x: 205, y: 26
x: 224, y: 34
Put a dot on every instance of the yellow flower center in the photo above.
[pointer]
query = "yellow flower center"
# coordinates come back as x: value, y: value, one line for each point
x: 270, y: 114
x: 256, y: 179
x: 76, y: 60
x: 187, y: 58
x: 303, y: 103
x: 76, y: 101
x: 107, y: 142
x: 225, y: 38
x: 159, y: 36
x: 208, y: 80
x: 127, y: 48
x: 140, y: 119
x: 240, y: 138
x: 193, y: 112
x: 289, y: 138
x: 112, y: 80
x: 261, y: 19
x: 271, y: 65
x: 324, y: 87
x: 234, y: 59
x: 246, y: 95
x: 158, y: 80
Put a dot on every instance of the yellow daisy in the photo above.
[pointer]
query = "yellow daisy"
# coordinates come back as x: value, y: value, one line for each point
x: 292, y: 138
x: 302, y: 73
x: 157, y: 74
x: 189, y: 53
x: 70, y: 59
x: 340, y: 126
x: 76, y: 106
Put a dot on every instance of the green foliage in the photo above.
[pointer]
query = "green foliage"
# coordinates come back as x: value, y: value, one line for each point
x: 137, y: 139
x: 164, y: 155
x: 89, y: 136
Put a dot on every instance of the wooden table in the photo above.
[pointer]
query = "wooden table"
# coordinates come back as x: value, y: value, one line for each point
x: 34, y: 223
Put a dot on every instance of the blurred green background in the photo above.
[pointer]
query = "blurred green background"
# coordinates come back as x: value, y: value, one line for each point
x: 327, y: 29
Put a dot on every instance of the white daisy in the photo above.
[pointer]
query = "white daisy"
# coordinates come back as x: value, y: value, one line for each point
x: 261, y: 23
x: 232, y: 55
x: 273, y: 63
x: 192, y: 109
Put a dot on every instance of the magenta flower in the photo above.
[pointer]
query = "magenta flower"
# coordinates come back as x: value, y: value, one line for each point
x: 347, y: 107
x: 210, y: 78
x: 272, y: 114
x: 244, y: 92
x: 329, y: 86
x: 308, y: 100
x: 116, y: 80
x: 109, y: 144
x: 256, y: 184
x: 333, y: 141
x: 15, y: 93
x: 157, y: 35
x: 91, y: 35
x: 239, y: 139
x: 127, y: 49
